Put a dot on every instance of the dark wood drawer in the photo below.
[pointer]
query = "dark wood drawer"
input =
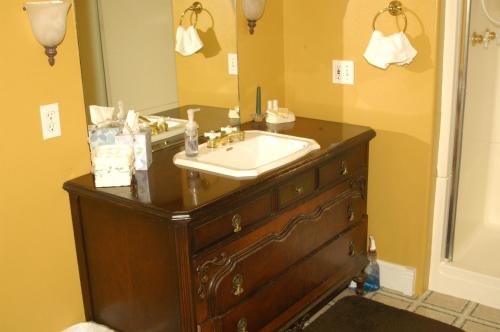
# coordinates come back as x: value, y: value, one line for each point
x: 343, y: 166
x: 231, y: 223
x: 333, y: 262
x: 296, y: 188
x: 247, y: 265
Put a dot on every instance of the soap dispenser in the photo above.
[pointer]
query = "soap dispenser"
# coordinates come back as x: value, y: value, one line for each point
x: 191, y: 134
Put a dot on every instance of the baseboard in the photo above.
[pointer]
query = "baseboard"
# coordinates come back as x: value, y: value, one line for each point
x: 397, y: 277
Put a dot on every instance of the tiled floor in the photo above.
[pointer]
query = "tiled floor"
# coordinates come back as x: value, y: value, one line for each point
x: 469, y: 316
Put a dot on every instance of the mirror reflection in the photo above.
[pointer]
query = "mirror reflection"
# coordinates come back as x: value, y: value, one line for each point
x: 128, y: 53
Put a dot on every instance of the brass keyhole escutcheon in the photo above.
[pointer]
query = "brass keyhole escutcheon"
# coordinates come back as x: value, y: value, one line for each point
x: 350, y: 214
x: 237, y: 285
x: 236, y: 223
x: 242, y: 325
x: 344, y: 171
x: 352, y: 249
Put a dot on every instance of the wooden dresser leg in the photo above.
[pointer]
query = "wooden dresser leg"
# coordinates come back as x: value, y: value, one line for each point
x: 360, y: 282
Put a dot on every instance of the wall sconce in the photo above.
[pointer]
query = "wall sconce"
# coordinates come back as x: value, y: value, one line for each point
x: 253, y: 10
x: 48, y: 23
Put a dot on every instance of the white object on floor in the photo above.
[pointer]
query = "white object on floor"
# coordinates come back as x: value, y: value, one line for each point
x: 88, y: 327
x: 383, y: 51
x: 187, y: 41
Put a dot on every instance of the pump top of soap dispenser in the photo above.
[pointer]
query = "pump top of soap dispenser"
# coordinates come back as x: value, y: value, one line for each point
x: 191, y: 126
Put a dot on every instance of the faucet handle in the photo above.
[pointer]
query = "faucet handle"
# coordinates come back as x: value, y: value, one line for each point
x: 211, y: 135
x: 228, y: 130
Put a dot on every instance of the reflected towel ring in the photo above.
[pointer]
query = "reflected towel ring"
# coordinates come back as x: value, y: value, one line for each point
x: 395, y: 9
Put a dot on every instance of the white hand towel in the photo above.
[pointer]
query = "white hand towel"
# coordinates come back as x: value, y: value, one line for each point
x: 394, y: 49
x: 187, y: 41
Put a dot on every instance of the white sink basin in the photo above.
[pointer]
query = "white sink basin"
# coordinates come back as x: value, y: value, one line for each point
x: 261, y: 151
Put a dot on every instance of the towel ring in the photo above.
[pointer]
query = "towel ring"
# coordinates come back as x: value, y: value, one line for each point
x: 196, y: 8
x: 395, y: 9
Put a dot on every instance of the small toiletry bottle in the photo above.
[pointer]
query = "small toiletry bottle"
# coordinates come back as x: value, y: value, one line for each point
x: 372, y: 283
x: 191, y: 134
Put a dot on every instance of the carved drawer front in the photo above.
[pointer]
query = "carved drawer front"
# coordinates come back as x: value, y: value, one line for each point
x: 326, y: 266
x: 300, y: 231
x: 296, y: 188
x: 232, y: 223
x: 343, y: 166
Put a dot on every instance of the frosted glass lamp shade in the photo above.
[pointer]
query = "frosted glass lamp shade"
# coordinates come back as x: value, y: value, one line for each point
x: 253, y: 10
x: 48, y: 23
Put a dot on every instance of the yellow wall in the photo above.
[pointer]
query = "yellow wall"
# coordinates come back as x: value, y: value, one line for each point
x: 398, y: 103
x: 261, y: 58
x: 39, y: 284
x: 203, y: 78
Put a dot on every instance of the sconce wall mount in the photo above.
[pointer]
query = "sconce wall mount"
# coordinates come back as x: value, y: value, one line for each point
x: 253, y: 10
x: 48, y: 23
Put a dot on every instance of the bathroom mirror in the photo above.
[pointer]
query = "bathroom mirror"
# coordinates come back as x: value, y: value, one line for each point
x: 127, y: 53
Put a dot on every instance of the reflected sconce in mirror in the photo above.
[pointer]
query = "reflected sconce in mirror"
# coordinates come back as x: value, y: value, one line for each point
x: 253, y: 10
x: 48, y: 23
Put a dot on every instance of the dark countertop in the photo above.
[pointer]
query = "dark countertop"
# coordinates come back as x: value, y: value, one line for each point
x: 176, y: 193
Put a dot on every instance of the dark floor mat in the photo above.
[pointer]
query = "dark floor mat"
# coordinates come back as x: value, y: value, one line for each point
x: 357, y: 314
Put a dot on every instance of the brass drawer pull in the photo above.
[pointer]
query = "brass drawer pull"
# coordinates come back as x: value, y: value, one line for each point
x: 299, y: 190
x: 242, y: 325
x: 352, y: 249
x: 237, y: 285
x: 236, y: 223
x: 344, y: 171
x: 351, y: 216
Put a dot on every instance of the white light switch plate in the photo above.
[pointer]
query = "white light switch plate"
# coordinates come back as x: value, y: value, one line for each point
x: 343, y: 72
x: 51, y: 125
x: 232, y: 59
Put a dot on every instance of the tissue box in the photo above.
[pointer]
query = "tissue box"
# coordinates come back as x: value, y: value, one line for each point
x: 113, y: 165
x: 142, y: 148
x: 102, y: 136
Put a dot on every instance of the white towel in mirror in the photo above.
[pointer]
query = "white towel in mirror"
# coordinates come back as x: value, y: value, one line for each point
x: 383, y: 51
x: 188, y: 41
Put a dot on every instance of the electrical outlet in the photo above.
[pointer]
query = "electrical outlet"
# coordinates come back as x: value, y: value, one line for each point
x: 232, y: 59
x: 343, y: 72
x: 51, y: 125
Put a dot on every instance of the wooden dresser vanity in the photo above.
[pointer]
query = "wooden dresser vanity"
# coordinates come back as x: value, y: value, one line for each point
x: 187, y: 251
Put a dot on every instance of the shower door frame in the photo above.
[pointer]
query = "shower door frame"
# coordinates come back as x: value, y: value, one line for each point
x: 461, y: 86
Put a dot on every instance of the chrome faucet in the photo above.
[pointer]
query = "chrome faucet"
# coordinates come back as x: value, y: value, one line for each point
x: 224, y: 136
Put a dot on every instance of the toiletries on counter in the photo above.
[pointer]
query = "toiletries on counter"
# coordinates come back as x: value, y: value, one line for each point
x: 276, y: 114
x: 191, y: 134
x: 111, y: 141
x: 372, y: 283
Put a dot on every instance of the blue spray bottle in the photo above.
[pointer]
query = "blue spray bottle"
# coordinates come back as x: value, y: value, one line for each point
x: 372, y: 270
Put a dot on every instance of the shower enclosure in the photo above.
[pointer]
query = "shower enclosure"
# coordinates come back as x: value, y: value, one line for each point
x: 466, y: 231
